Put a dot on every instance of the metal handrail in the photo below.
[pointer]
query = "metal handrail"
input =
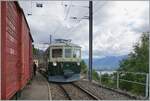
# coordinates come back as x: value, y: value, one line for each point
x: 146, y: 83
x: 136, y: 73
x: 132, y: 82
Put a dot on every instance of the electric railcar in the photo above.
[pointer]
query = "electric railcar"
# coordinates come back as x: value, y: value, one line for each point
x: 63, y: 60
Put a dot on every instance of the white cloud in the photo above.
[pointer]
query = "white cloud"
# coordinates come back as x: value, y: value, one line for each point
x: 117, y: 24
x: 121, y: 28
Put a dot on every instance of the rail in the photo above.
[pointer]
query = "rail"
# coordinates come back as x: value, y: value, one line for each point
x: 67, y: 95
x: 118, y: 77
x: 87, y: 92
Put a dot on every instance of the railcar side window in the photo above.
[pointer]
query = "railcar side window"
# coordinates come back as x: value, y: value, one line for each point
x: 56, y: 53
x: 68, y: 53
x: 76, y: 53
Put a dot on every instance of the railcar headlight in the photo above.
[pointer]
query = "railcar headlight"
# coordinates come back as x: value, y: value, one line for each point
x: 54, y: 64
x: 78, y: 63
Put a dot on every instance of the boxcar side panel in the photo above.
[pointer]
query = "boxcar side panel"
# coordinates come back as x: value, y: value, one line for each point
x: 16, y: 49
x: 3, y: 50
x: 25, y: 53
x: 11, y: 50
x: 12, y: 40
x: 19, y: 64
x: 0, y: 47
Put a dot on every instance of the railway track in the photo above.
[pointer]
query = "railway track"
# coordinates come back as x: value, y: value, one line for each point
x: 64, y: 91
x: 83, y: 90
x: 57, y: 92
x: 70, y: 91
x: 75, y: 92
x: 87, y: 92
x: 103, y: 92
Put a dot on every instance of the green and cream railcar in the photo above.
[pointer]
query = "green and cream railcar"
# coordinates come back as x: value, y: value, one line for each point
x: 63, y: 61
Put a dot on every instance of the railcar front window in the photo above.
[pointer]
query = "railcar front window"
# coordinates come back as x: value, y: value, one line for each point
x: 76, y: 53
x: 68, y: 53
x: 56, y: 53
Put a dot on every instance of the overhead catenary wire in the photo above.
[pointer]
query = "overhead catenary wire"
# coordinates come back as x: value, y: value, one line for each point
x: 65, y: 17
x: 68, y: 10
x: 99, y: 8
x: 30, y: 13
x: 81, y: 20
x: 57, y: 29
x: 41, y: 46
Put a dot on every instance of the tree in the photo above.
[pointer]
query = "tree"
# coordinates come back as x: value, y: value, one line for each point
x: 83, y: 67
x: 35, y: 50
x: 95, y: 75
x: 137, y: 61
x: 84, y: 71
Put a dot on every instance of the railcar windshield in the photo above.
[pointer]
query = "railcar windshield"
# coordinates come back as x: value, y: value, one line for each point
x: 68, y: 53
x: 76, y: 53
x: 57, y: 53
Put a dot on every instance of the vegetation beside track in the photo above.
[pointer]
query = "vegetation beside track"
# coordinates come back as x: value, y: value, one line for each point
x: 137, y: 61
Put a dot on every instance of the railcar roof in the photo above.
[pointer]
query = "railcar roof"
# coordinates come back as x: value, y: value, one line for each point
x: 64, y: 44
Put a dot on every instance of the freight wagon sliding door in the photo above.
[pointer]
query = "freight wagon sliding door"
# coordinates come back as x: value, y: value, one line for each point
x: 10, y: 49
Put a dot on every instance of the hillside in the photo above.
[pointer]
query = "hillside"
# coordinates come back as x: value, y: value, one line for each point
x: 109, y: 62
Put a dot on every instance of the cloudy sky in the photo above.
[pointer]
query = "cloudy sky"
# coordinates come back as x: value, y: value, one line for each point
x: 118, y: 25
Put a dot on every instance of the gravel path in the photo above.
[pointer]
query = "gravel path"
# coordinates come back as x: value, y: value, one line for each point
x: 103, y: 93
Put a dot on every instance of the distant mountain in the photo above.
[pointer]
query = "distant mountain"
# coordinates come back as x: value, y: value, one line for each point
x: 107, y: 63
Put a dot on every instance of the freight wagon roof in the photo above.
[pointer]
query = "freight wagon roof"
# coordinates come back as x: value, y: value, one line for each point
x: 16, y: 2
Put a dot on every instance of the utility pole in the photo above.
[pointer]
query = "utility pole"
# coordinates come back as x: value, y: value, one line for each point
x: 50, y: 39
x: 90, y: 39
x: 90, y: 18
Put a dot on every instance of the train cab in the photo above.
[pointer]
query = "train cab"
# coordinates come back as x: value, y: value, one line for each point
x: 63, y: 61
